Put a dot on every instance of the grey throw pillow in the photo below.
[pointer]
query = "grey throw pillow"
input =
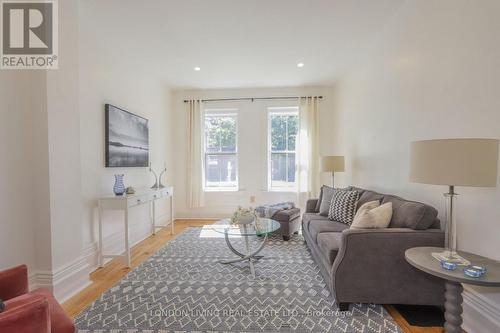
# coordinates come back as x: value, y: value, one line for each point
x: 343, y: 206
x: 326, y: 198
x: 318, y: 203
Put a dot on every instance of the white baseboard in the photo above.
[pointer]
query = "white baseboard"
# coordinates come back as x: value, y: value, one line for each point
x: 114, y: 243
x: 70, y: 279
x: 202, y: 215
x: 64, y: 281
x: 200, y: 218
x: 480, y: 314
x: 32, y: 280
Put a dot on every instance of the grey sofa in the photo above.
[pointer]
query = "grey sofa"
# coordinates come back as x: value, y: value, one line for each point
x: 368, y: 265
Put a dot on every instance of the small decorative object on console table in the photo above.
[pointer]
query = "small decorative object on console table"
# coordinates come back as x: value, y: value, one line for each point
x: 332, y: 164
x: 421, y: 258
x: 155, y: 185
x: 119, y: 187
x: 463, y: 162
x: 160, y: 185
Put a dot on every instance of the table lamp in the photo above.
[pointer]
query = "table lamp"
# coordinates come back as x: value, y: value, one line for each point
x: 332, y: 164
x: 454, y: 162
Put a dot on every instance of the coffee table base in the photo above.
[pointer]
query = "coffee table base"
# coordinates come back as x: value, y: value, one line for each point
x: 453, y: 307
x: 250, y: 256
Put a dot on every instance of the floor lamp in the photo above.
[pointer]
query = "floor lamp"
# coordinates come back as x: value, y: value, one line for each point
x: 454, y: 162
x: 332, y: 164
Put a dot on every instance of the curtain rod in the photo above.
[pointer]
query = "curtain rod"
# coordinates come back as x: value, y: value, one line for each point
x: 251, y: 98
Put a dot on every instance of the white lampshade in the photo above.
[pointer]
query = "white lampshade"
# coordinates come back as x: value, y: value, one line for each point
x: 332, y: 163
x: 462, y: 162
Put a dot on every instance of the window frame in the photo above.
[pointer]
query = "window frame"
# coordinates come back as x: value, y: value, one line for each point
x: 285, y: 111
x: 226, y: 112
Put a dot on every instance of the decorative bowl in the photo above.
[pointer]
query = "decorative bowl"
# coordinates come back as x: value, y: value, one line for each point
x: 451, y: 266
x: 480, y: 268
x: 471, y: 272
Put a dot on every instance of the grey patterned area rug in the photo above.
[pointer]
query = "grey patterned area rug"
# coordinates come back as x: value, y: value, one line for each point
x: 182, y: 288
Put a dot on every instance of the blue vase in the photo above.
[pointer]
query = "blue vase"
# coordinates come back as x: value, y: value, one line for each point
x: 119, y: 187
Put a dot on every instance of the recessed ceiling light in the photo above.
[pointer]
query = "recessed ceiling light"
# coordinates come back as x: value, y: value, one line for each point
x: 197, y: 69
x: 300, y: 64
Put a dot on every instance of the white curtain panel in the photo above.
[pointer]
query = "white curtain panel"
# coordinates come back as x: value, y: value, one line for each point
x: 195, y: 194
x: 308, y: 149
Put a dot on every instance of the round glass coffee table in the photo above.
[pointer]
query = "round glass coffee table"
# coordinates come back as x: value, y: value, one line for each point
x: 260, y: 227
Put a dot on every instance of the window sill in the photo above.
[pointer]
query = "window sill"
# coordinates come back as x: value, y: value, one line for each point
x: 282, y: 190
x: 220, y: 190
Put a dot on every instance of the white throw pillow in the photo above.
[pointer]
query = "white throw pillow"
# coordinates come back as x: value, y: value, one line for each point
x: 367, y: 206
x: 375, y: 218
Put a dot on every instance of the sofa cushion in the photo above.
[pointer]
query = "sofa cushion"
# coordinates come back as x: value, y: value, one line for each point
x: 410, y: 214
x: 319, y: 226
x: 287, y: 215
x: 59, y: 320
x: 329, y: 244
x: 308, y: 217
x: 436, y: 224
x: 368, y: 196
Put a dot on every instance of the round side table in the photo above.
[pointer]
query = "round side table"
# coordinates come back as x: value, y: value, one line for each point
x: 421, y: 258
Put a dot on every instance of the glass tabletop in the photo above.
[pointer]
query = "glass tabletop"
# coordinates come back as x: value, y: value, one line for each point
x: 261, y: 226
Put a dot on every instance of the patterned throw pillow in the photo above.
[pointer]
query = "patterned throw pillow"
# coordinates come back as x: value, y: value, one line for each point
x: 343, y: 206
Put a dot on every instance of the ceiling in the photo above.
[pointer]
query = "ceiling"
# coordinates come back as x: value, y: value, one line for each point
x: 236, y: 43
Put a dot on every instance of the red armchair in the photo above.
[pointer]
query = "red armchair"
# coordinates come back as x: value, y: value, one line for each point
x: 29, y: 312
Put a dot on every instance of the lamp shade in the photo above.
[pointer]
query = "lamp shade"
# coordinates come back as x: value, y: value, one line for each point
x: 332, y: 163
x: 462, y: 162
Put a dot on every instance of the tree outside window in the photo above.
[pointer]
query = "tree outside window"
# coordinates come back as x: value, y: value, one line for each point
x: 221, y: 167
x: 283, y: 128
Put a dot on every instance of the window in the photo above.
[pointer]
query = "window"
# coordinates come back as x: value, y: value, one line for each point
x: 221, y: 166
x: 283, y: 129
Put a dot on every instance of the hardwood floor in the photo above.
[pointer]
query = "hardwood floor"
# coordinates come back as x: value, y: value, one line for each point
x: 104, y: 278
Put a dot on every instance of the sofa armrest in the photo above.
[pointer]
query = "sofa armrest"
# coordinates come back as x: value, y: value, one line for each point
x: 311, y: 205
x: 27, y: 314
x: 372, y: 262
x: 13, y: 282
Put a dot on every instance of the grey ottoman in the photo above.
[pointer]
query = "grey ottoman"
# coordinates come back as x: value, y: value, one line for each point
x: 289, y: 220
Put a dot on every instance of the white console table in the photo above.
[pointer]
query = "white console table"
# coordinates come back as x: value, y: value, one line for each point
x: 125, y: 202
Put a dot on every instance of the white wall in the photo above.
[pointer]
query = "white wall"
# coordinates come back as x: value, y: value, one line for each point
x: 41, y: 163
x: 40, y: 175
x: 17, y: 241
x: 434, y: 72
x: 147, y: 99
x: 68, y: 273
x: 25, y: 232
x: 252, y: 146
x: 102, y: 81
x: 52, y: 147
